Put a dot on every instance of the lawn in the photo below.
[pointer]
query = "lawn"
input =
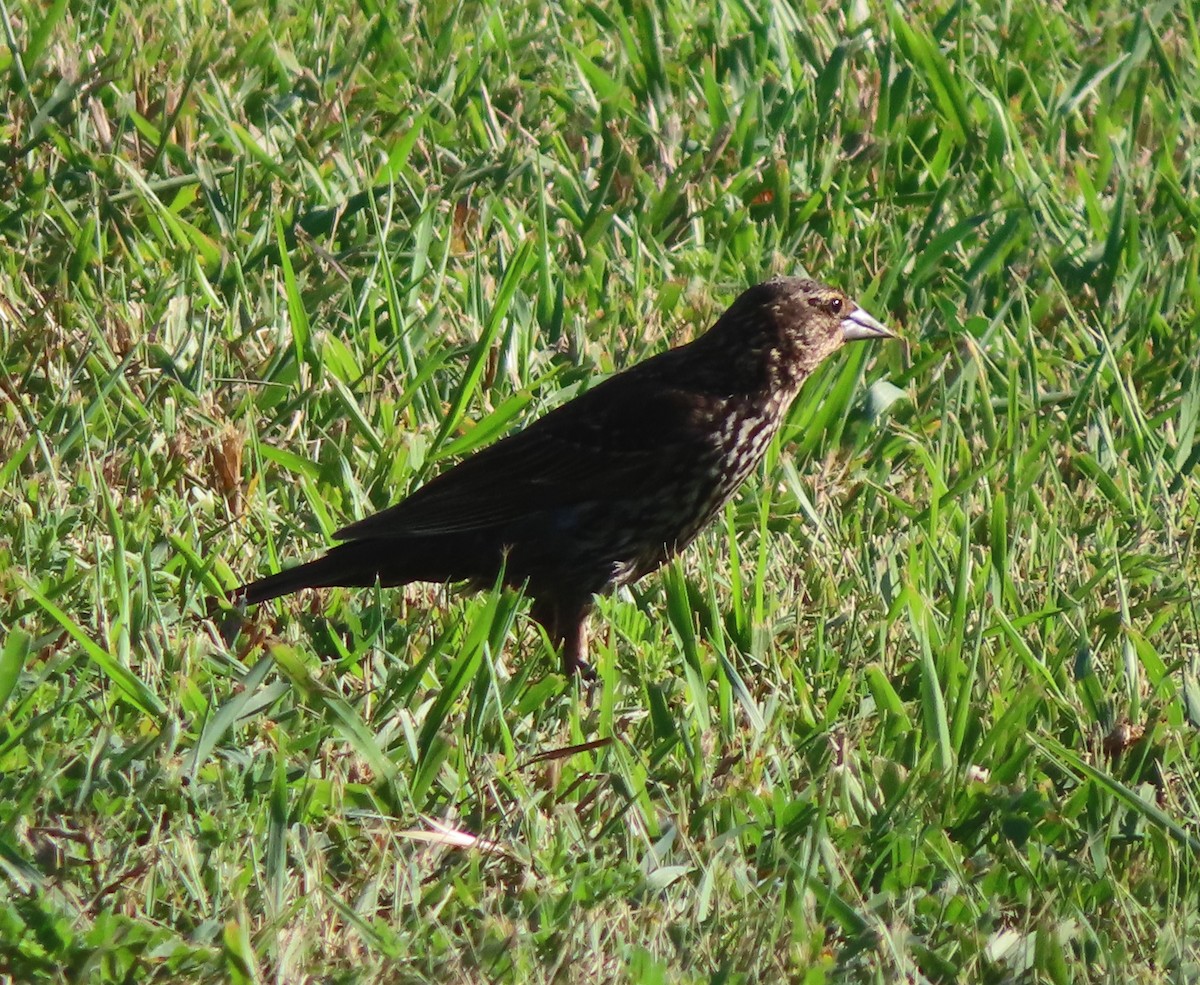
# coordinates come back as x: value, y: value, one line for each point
x: 923, y: 706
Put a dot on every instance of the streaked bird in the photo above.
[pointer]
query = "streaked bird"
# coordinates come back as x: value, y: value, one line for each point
x: 606, y: 488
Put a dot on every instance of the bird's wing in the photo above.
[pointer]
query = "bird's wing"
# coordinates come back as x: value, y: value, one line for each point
x: 623, y: 435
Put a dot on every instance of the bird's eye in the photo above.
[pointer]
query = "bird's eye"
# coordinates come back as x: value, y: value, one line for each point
x: 832, y: 305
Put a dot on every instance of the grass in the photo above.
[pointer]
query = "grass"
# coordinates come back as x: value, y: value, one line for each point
x: 924, y: 707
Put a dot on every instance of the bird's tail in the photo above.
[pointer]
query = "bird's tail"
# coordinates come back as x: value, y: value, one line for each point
x: 355, y: 565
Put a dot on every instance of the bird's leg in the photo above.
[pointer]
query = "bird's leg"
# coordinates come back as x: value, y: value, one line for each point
x: 574, y: 653
x: 566, y: 625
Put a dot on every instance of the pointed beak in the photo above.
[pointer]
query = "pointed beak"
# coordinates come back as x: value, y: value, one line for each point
x: 858, y: 326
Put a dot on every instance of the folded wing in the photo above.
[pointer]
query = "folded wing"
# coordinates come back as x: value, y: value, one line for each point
x: 610, y: 443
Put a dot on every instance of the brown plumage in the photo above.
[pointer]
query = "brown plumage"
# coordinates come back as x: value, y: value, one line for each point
x: 604, y: 489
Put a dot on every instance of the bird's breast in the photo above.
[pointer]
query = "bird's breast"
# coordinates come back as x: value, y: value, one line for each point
x: 699, y: 488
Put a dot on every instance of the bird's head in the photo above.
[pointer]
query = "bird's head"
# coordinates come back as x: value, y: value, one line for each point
x: 806, y: 321
x: 786, y: 327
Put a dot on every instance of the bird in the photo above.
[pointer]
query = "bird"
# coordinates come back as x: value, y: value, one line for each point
x: 607, y: 487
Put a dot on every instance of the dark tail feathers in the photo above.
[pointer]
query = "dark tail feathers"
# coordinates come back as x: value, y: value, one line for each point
x: 356, y: 564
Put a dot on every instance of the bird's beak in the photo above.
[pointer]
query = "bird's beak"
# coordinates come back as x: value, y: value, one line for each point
x: 858, y: 326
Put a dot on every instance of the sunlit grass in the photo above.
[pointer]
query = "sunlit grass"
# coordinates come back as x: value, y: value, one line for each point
x: 922, y: 706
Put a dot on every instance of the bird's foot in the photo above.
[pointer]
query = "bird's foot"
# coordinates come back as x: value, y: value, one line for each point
x: 575, y: 664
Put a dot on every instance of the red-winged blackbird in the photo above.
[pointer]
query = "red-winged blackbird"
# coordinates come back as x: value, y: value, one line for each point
x: 604, y: 489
